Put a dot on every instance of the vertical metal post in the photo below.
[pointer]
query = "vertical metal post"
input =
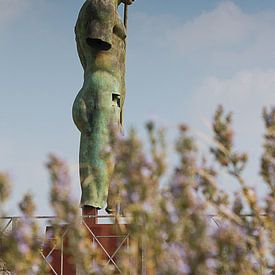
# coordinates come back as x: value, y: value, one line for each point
x: 14, y: 223
x: 62, y: 256
x: 128, y: 244
x: 143, y: 258
x: 126, y: 16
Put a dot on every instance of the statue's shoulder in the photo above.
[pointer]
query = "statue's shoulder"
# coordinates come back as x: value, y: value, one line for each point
x: 96, y: 22
x: 101, y: 11
x: 97, y: 9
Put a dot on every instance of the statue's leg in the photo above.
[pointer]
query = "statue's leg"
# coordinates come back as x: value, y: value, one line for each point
x: 94, y: 176
x: 97, y: 165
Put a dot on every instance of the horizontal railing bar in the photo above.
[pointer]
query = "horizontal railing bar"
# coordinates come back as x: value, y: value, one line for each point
x: 54, y: 217
x: 241, y: 215
x: 111, y: 216
x: 114, y: 236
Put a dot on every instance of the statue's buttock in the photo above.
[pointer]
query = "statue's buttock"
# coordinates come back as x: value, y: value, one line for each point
x: 100, y: 37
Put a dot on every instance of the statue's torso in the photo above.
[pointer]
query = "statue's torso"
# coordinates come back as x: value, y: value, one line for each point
x: 99, y: 19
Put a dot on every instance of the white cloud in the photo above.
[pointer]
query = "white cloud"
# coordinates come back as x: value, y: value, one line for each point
x: 223, y: 26
x: 245, y: 93
x: 226, y: 26
x: 225, y: 39
x: 229, y: 35
x: 10, y: 9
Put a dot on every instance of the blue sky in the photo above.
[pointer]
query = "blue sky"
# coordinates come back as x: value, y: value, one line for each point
x: 183, y: 59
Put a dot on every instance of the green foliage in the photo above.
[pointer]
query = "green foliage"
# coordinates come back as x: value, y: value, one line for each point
x: 169, y: 224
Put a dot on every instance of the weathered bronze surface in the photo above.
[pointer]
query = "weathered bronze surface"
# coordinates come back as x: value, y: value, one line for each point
x: 100, y: 38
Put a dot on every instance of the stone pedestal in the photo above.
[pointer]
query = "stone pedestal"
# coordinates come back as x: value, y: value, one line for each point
x: 106, y: 237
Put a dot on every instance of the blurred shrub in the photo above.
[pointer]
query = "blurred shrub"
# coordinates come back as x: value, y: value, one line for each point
x: 169, y: 219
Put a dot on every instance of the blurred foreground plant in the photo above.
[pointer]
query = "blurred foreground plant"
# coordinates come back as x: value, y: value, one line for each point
x: 21, y: 246
x: 170, y: 218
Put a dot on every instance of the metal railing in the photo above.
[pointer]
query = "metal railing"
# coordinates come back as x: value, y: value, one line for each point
x: 10, y: 221
x: 124, y: 239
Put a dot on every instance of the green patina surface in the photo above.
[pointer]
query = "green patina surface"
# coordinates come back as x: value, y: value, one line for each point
x: 100, y: 37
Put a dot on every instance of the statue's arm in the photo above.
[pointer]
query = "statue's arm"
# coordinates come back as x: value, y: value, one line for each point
x: 119, y: 28
x: 101, y: 21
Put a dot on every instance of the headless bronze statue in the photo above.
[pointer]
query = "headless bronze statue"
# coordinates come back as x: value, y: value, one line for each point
x: 100, y: 38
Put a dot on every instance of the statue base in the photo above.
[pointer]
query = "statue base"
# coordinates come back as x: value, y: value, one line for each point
x: 107, y: 237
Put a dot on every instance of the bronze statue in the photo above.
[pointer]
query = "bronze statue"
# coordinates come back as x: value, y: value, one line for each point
x: 100, y: 38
